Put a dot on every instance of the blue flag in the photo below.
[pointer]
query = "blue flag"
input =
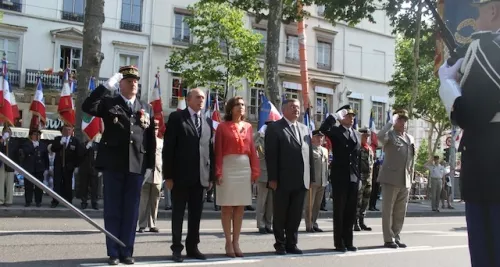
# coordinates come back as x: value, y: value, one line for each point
x: 460, y: 16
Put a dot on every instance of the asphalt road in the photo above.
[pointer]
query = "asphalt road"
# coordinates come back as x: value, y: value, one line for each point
x: 432, y: 241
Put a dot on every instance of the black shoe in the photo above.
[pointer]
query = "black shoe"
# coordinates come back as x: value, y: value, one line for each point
x: 401, y: 245
x: 141, y: 230
x: 391, y: 245
x: 95, y: 206
x: 352, y: 248
x: 262, y: 231
x: 363, y: 226
x: 309, y: 230
x: 127, y: 260
x: 269, y: 230
x: 280, y: 250
x: 113, y: 261
x: 54, y: 205
x: 168, y: 208
x: 323, y: 209
x: 177, y: 257
x: 154, y: 230
x: 196, y: 254
x: 250, y: 208
x: 217, y: 208
x: 356, y: 227
x: 83, y: 206
x: 210, y: 200
x: 38, y: 205
x: 8, y: 205
x: 27, y: 205
x: 294, y: 250
x: 340, y: 249
x: 317, y: 229
x: 372, y: 209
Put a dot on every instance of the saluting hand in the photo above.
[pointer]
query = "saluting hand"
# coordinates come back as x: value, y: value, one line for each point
x: 112, y: 83
x: 341, y: 114
x: 395, y: 118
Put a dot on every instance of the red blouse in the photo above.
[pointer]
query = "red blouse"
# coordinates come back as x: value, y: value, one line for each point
x: 230, y: 141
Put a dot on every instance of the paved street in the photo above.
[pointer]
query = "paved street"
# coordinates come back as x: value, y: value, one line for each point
x: 433, y: 242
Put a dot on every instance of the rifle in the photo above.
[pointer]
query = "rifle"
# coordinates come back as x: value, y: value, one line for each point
x: 456, y: 51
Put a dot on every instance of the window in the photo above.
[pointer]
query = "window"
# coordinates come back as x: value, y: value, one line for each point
x: 321, y: 10
x: 131, y: 15
x: 292, y: 48
x: 290, y: 93
x: 176, y: 87
x: 71, y: 56
x: 356, y: 105
x: 127, y: 60
x: 324, y: 52
x: 263, y: 41
x: 182, y: 33
x: 11, y: 48
x: 379, y: 114
x: 14, y: 5
x: 322, y: 106
x: 254, y: 105
x: 73, y: 10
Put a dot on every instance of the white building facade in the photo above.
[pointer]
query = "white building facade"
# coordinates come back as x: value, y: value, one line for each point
x: 346, y: 64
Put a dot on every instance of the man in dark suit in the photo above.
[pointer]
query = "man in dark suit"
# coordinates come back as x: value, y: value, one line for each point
x: 88, y: 176
x: 344, y: 174
x: 290, y: 169
x: 188, y: 169
x: 68, y: 151
x: 36, y: 162
x: 126, y: 156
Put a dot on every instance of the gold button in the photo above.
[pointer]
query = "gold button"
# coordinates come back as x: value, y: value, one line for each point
x: 131, y: 141
x: 131, y: 132
x: 131, y: 123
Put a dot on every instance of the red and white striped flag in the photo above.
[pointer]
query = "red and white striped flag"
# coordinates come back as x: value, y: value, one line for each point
x: 91, y: 125
x: 158, y: 106
x: 66, y: 107
x: 37, y: 108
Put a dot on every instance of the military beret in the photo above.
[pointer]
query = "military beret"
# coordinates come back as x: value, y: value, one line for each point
x: 317, y: 132
x: 348, y: 108
x: 130, y: 72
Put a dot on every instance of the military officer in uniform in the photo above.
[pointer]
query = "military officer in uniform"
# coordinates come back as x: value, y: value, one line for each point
x: 344, y: 174
x: 126, y: 156
x: 36, y: 162
x: 470, y: 91
x: 264, y: 213
x: 365, y: 187
x: 88, y: 176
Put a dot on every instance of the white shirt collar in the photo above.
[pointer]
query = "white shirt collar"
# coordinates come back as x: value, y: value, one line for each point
x: 290, y: 123
x: 132, y: 100
x: 192, y: 112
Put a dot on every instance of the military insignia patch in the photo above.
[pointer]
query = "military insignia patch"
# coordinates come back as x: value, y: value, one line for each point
x: 144, y: 118
x: 115, y: 120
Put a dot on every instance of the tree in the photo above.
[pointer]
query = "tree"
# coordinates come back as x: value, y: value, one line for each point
x: 223, y: 49
x: 423, y: 157
x: 92, y: 56
x: 428, y: 105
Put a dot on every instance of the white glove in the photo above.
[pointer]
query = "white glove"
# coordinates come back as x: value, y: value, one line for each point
x: 446, y: 72
x: 36, y: 143
x: 395, y: 118
x: 6, y: 135
x: 147, y: 174
x: 99, y: 174
x: 89, y: 144
x: 63, y: 140
x: 76, y: 171
x: 112, y: 83
x: 341, y: 114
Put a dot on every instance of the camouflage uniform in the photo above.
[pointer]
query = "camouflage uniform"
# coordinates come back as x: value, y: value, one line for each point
x: 365, y: 189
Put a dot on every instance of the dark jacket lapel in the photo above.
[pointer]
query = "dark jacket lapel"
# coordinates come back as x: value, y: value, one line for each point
x: 187, y: 117
x: 288, y: 129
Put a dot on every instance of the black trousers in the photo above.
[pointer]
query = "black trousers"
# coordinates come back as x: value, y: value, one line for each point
x: 288, y: 206
x: 63, y: 185
x: 374, y: 195
x: 192, y: 196
x: 345, y: 200
x: 88, y: 183
x: 30, y: 188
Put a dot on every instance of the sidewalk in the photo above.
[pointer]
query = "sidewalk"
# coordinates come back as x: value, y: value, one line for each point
x: 415, y: 209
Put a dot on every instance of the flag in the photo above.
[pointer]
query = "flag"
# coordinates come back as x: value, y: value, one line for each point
x: 216, y: 114
x: 66, y: 107
x: 15, y: 109
x: 267, y: 112
x: 388, y: 116
x: 355, y: 124
x: 3, y: 75
x: 91, y: 126
x: 308, y: 122
x: 37, y: 108
x: 328, y: 143
x: 6, y: 115
x: 373, y: 131
x: 181, y: 101
x: 208, y: 105
x: 157, y: 105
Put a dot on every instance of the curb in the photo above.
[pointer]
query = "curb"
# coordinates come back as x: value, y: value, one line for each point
x: 207, y: 214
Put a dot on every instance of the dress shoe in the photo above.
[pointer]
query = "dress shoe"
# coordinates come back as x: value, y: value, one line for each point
x: 95, y: 206
x: 177, y: 257
x: 168, y: 208
x: 352, y: 248
x: 217, y: 208
x: 27, y: 205
x: 391, y: 245
x: 38, y: 205
x: 363, y: 226
x: 141, y: 230
x: 250, y: 208
x: 113, y: 261
x: 127, y: 260
x: 262, y: 231
x: 154, y: 230
x: 309, y: 230
x: 294, y: 250
x: 269, y: 230
x: 340, y: 249
x: 317, y: 229
x: 54, y: 205
x: 323, y: 209
x: 83, y: 206
x: 401, y: 245
x: 196, y: 254
x: 356, y: 227
x: 280, y: 250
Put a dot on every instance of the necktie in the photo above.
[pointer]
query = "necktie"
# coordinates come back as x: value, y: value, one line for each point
x: 295, y: 132
x: 130, y: 106
x: 197, y: 124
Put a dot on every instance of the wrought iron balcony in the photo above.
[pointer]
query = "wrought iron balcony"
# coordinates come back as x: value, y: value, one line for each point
x: 72, y: 16
x: 50, y: 80
x: 130, y: 26
x: 11, y: 5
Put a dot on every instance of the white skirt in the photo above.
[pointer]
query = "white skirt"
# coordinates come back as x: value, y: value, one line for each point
x: 236, y: 187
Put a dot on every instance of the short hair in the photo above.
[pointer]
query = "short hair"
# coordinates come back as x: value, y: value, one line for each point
x: 190, y: 92
x: 288, y: 100
x: 231, y: 103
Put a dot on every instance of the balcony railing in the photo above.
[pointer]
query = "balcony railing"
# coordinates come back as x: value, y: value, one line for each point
x: 130, y: 26
x: 13, y: 6
x: 72, y: 16
x: 14, y: 77
x: 50, y: 81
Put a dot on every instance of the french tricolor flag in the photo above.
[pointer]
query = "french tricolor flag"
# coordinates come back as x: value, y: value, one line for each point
x: 37, y: 107
x: 267, y: 112
x: 6, y: 114
x: 158, y: 106
x: 66, y: 107
x: 216, y: 119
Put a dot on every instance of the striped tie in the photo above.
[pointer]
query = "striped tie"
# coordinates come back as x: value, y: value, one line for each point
x: 197, y: 124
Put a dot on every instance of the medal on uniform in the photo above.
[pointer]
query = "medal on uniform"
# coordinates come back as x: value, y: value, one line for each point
x: 115, y: 120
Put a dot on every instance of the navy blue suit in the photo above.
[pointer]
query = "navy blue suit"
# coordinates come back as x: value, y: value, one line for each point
x: 126, y: 150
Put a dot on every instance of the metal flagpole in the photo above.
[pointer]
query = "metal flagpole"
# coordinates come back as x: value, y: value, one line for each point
x: 36, y: 182
x: 453, y: 159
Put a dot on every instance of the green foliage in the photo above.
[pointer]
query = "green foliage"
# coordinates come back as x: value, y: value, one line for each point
x: 223, y: 50
x: 422, y: 157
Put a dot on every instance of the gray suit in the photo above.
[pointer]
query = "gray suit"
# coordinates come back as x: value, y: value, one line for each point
x: 395, y: 177
x: 264, y: 211
x: 289, y: 161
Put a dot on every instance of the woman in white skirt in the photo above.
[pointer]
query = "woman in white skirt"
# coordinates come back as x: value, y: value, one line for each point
x: 236, y: 168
